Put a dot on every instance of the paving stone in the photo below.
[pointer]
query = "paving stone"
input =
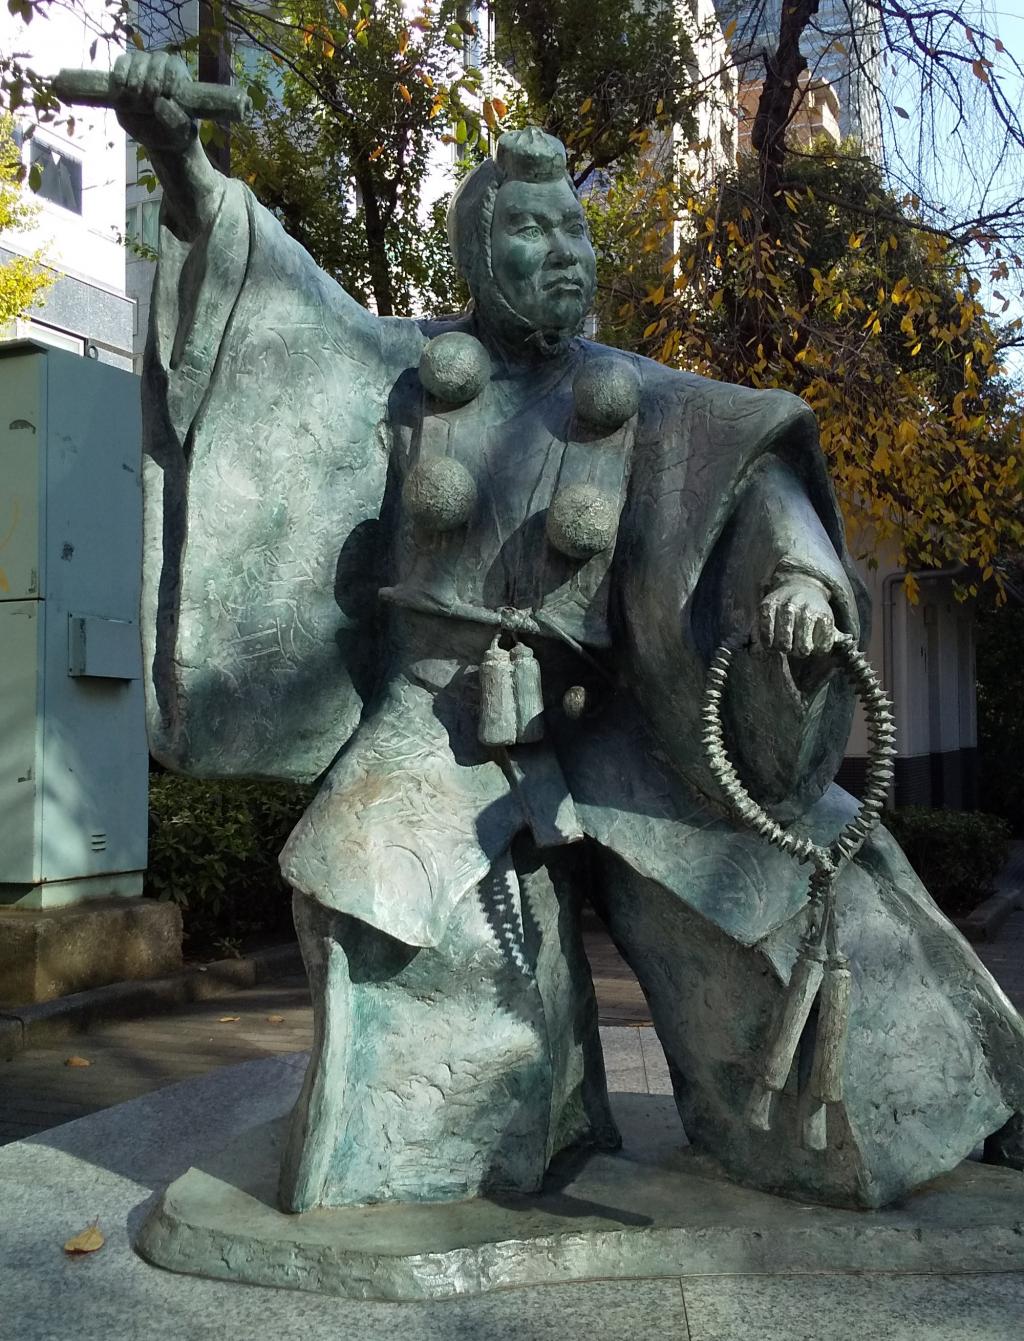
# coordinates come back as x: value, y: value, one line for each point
x: 655, y: 1066
x: 856, y: 1307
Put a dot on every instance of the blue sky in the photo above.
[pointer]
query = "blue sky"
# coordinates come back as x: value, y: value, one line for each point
x: 972, y: 171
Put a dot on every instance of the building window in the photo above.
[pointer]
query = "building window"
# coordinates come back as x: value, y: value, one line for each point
x: 61, y: 175
x: 142, y: 224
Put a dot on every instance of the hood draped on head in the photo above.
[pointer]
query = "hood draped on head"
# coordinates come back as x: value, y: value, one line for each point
x: 527, y: 155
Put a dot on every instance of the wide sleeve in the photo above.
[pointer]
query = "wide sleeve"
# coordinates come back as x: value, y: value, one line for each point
x: 266, y: 457
x: 729, y: 496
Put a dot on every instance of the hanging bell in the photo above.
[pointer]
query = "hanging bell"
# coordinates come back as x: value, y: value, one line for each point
x: 529, y: 697
x: 497, y: 725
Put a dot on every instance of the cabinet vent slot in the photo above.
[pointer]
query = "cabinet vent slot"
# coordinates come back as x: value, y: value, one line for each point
x: 98, y: 842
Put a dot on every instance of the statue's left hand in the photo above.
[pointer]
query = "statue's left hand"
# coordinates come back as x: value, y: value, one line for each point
x: 796, y: 618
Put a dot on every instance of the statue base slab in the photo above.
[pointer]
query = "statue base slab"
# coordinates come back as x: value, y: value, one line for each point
x: 653, y: 1209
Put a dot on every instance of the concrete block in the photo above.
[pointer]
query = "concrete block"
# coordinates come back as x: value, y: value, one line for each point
x: 986, y: 921
x: 52, y: 952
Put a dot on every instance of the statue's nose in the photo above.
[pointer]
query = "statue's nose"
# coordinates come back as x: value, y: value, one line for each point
x: 561, y: 251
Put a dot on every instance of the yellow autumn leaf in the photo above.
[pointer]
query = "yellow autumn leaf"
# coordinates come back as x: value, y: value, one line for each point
x: 77, y: 1061
x: 906, y: 432
x: 403, y: 41
x: 87, y: 1240
x: 406, y: 95
x: 229, y: 1019
x: 275, y: 1019
x: 500, y: 107
x: 376, y: 153
x: 342, y: 10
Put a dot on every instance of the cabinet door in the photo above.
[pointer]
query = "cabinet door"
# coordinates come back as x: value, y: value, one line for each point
x: 21, y: 780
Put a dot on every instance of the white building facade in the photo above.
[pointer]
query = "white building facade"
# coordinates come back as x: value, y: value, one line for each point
x: 924, y: 653
x: 79, y: 223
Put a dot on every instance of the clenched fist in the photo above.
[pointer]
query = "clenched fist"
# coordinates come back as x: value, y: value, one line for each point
x: 143, y: 85
x: 796, y: 618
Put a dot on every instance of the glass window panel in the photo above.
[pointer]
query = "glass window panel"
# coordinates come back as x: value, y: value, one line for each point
x: 151, y: 224
x: 61, y: 180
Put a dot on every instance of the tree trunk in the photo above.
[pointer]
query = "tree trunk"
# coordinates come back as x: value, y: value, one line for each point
x: 376, y: 237
x: 775, y: 106
x: 215, y: 68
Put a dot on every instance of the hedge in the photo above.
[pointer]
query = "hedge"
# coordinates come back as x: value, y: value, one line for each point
x: 213, y: 849
x: 957, y: 854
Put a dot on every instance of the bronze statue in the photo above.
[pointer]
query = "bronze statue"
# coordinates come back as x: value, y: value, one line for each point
x: 470, y: 575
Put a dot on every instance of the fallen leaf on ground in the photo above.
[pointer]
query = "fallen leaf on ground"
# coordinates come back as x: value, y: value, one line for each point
x: 87, y: 1240
x: 275, y: 1019
x: 229, y: 1019
x: 77, y: 1061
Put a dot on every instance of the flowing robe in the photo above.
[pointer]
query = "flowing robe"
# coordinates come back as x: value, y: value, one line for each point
x: 282, y: 420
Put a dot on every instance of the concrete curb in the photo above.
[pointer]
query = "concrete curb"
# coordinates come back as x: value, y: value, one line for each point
x: 25, y: 1026
x: 984, y: 923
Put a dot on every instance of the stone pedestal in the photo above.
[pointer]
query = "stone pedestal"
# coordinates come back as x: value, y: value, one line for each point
x: 654, y: 1209
x: 51, y: 952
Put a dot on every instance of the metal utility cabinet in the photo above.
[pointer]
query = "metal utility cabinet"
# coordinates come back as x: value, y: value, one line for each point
x: 73, y: 754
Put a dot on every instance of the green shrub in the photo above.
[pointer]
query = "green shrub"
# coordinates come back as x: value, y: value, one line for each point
x: 213, y: 849
x: 956, y: 853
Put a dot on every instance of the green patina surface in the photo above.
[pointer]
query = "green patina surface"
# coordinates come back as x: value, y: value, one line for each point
x: 376, y: 547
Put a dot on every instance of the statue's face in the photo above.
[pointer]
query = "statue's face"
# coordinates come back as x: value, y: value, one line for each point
x: 541, y: 255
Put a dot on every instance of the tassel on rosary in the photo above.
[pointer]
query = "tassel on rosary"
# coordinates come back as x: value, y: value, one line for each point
x: 826, y: 1083
x: 829, y: 983
x: 778, y: 1060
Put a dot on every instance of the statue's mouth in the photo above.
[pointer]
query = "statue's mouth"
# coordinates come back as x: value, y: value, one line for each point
x: 563, y: 285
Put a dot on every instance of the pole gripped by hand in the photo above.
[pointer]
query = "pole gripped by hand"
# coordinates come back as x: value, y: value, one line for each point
x: 209, y: 102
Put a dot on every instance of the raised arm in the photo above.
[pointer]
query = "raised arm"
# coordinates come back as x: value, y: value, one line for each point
x: 143, y: 89
x: 265, y: 390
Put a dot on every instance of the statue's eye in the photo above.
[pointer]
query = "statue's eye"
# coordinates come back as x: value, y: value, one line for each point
x: 529, y: 230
